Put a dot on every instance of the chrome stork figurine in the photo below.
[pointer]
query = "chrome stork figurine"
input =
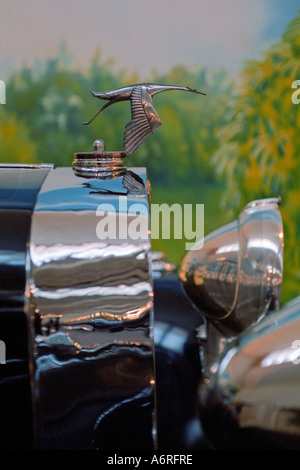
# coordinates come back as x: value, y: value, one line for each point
x: 144, y: 118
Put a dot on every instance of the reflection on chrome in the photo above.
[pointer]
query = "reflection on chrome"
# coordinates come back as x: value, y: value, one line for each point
x: 85, y: 251
x: 161, y: 266
x: 93, y: 291
x: 281, y: 356
x: 256, y: 385
x: 170, y: 337
x: 235, y: 279
x: 239, y: 268
x: 90, y: 307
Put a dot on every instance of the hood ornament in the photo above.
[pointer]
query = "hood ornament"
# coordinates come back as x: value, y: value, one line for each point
x: 144, y: 121
x: 144, y: 118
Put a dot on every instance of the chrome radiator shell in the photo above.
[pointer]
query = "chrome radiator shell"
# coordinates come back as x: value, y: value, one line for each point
x: 90, y: 310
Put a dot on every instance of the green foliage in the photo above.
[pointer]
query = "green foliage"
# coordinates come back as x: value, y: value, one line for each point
x: 259, y: 148
x: 15, y: 139
x: 205, y: 193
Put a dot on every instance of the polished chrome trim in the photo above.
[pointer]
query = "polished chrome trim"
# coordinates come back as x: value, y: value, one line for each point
x: 235, y: 276
x: 237, y: 271
x: 91, y: 313
x: 254, y: 391
x: 99, y: 165
x: 27, y: 166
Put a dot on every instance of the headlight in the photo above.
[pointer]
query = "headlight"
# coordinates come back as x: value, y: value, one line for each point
x: 235, y: 276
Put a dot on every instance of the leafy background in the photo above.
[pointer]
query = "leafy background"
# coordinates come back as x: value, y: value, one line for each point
x: 239, y: 143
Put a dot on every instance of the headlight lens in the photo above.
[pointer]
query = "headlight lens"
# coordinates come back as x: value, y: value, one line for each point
x: 236, y: 277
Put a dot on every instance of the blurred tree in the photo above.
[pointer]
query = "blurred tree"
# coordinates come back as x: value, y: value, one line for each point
x: 54, y: 100
x: 259, y: 148
x: 15, y: 139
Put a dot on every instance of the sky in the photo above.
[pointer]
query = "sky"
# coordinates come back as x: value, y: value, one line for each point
x: 142, y: 35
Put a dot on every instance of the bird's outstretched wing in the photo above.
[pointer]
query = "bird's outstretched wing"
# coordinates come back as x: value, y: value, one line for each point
x: 144, y: 119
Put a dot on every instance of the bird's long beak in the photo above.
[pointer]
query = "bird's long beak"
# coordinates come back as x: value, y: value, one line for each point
x: 195, y: 91
x: 154, y: 89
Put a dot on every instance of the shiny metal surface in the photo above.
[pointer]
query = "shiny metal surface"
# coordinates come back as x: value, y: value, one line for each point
x: 161, y: 266
x: 177, y: 367
x: 99, y: 163
x: 92, y: 165
x: 18, y: 191
x: 90, y: 309
x: 26, y: 166
x: 236, y: 276
x: 19, y: 186
x: 144, y: 118
x: 253, y: 398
